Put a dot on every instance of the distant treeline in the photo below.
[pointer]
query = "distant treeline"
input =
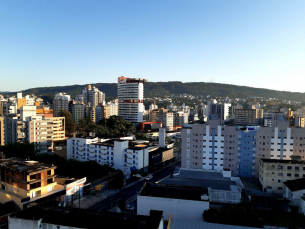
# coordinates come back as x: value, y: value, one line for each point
x: 162, y: 89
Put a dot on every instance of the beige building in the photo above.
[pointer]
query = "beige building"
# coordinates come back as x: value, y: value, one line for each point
x: 273, y: 172
x: 25, y: 182
x: 1, y: 131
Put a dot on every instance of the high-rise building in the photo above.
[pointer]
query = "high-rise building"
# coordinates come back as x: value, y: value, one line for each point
x: 130, y: 96
x: 60, y: 102
x: 92, y: 95
x: 249, y: 117
x: 1, y: 131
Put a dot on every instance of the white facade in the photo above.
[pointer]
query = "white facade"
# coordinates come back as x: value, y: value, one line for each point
x: 178, y: 208
x: 119, y: 154
x: 130, y: 96
x: 279, y: 150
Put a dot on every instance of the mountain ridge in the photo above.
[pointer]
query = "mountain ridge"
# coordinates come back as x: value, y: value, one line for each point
x: 161, y: 89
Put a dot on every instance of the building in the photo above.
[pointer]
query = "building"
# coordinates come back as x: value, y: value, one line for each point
x: 1, y: 131
x: 295, y: 190
x: 274, y: 172
x: 35, y: 129
x: 92, y: 96
x: 27, y: 182
x: 158, y: 157
x: 130, y: 98
x: 78, y: 112
x: 188, y: 193
x: 50, y: 215
x: 60, y: 102
x: 221, y: 110
x: 249, y: 117
x: 118, y: 153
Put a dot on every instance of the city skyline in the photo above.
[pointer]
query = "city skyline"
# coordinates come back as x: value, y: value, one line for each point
x: 257, y: 44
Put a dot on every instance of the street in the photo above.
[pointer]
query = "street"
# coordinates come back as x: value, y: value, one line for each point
x: 129, y: 192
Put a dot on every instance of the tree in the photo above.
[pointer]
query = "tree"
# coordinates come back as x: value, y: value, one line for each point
x: 22, y: 149
x: 116, y: 125
x: 141, y: 136
x: 86, y: 125
x: 69, y: 123
x: 168, y: 140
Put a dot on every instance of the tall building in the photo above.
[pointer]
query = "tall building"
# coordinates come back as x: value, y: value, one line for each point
x: 91, y: 95
x: 78, y: 112
x: 1, y: 131
x: 40, y: 130
x: 249, y: 117
x: 221, y: 110
x: 216, y: 147
x: 61, y: 102
x: 130, y: 96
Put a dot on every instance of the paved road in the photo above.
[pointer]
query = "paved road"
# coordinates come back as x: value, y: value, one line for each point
x: 127, y: 193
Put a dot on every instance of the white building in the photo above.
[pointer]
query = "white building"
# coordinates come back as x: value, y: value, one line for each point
x: 60, y: 102
x: 295, y: 190
x: 188, y: 193
x: 117, y: 153
x: 130, y: 96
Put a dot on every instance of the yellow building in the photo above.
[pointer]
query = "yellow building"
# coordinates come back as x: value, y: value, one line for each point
x: 26, y: 182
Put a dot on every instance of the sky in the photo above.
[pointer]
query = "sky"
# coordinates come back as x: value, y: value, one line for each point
x: 54, y: 42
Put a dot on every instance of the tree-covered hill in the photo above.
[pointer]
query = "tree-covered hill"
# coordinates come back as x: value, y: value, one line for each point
x: 161, y: 89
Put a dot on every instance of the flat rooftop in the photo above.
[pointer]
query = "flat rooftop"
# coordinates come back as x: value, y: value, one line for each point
x: 21, y: 165
x: 173, y: 191
x: 204, y: 183
x: 51, y: 213
x: 202, y: 175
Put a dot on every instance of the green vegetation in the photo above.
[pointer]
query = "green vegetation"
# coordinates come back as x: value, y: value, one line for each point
x: 281, y: 218
x: 161, y: 89
x: 116, y: 125
x: 69, y: 123
x: 245, y: 215
x: 141, y: 136
x: 19, y: 149
x: 240, y: 215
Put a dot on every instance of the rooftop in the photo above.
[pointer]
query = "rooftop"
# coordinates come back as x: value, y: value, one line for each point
x: 207, y: 183
x: 21, y: 165
x: 83, y: 218
x: 295, y: 185
x: 184, y: 223
x: 173, y: 191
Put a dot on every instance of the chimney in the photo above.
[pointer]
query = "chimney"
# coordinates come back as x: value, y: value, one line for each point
x: 162, y: 135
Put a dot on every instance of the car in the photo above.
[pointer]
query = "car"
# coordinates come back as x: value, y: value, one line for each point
x: 149, y: 177
x: 129, y: 207
x: 137, y: 175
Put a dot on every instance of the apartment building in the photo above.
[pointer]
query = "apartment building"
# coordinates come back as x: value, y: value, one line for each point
x: 273, y: 172
x: 249, y: 117
x: 40, y: 130
x: 221, y: 110
x: 130, y: 98
x: 25, y: 182
x: 61, y: 102
x: 1, y: 131
x: 118, y: 153
x: 239, y: 148
x: 78, y: 112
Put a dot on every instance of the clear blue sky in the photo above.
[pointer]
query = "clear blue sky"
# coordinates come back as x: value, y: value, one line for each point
x: 256, y: 43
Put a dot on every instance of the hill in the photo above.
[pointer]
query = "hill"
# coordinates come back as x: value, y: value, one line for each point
x: 161, y: 89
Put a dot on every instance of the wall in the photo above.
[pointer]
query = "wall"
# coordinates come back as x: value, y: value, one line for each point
x: 183, y: 209
x: 15, y: 223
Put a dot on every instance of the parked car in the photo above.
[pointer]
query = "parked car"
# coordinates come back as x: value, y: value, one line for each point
x: 137, y: 175
x: 149, y: 177
x: 129, y: 207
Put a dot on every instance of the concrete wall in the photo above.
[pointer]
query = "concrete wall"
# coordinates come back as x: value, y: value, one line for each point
x: 16, y: 223
x: 182, y: 209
